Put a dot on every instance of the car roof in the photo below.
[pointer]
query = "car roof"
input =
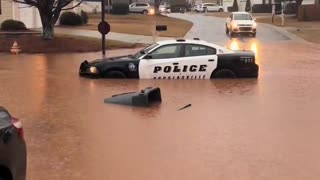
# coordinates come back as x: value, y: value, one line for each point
x: 190, y: 41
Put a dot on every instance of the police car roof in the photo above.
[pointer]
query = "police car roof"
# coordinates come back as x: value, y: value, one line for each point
x: 187, y: 41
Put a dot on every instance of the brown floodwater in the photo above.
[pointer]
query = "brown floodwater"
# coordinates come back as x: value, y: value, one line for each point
x: 259, y: 129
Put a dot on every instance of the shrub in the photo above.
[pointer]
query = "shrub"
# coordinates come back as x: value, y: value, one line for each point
x: 248, y: 6
x: 235, y: 5
x: 232, y: 9
x: 13, y: 25
x: 70, y: 19
x: 265, y: 8
x: 290, y: 8
x: 120, y: 8
x: 84, y: 16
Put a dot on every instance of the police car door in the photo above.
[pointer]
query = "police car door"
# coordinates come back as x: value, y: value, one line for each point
x: 198, y: 62
x: 161, y: 63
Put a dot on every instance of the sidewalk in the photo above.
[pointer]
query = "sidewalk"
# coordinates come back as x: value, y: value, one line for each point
x: 113, y: 36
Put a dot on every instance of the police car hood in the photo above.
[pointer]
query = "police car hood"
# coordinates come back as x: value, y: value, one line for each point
x: 113, y: 59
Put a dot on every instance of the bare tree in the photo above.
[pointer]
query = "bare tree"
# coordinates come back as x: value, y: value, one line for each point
x: 49, y: 11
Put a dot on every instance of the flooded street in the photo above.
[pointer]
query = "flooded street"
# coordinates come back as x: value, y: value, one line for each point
x: 265, y: 128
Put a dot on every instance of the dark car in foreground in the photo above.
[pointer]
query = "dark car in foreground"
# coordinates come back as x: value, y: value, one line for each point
x: 13, y: 154
x: 176, y: 59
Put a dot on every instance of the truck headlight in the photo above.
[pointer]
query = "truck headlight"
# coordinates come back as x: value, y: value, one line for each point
x: 93, y: 70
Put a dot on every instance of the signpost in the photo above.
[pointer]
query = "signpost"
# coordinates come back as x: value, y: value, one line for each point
x: 103, y: 27
x: 273, y: 11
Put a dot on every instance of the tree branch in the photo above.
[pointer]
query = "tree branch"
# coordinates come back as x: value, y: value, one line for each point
x: 73, y: 6
x: 28, y: 2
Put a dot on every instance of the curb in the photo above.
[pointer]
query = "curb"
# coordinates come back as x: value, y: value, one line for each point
x: 292, y: 36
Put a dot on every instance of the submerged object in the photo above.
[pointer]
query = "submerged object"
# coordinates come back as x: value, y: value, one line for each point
x: 144, y: 98
x: 185, y: 107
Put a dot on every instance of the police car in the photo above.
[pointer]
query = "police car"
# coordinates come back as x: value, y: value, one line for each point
x: 176, y: 59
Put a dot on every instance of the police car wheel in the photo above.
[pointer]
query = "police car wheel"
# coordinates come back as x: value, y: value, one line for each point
x: 145, y: 12
x: 224, y: 73
x: 115, y: 75
x: 220, y: 10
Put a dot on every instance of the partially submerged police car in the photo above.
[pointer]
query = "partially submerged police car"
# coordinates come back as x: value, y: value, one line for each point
x: 176, y: 59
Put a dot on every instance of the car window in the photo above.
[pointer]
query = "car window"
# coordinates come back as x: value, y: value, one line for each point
x: 199, y: 50
x: 167, y: 51
x: 4, y: 119
x: 140, y: 4
x: 242, y: 17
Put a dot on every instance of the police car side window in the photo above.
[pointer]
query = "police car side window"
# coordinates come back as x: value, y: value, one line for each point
x: 199, y: 50
x: 166, y: 52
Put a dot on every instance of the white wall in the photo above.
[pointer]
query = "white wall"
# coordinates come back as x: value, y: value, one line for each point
x: 29, y: 16
x: 6, y: 10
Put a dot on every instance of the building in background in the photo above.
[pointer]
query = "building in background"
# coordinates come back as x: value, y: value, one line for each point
x: 21, y: 12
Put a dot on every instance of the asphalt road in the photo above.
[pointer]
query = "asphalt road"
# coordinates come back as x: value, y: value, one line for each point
x: 212, y: 29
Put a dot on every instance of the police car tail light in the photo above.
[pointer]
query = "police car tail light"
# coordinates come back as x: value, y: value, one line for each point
x: 16, y: 123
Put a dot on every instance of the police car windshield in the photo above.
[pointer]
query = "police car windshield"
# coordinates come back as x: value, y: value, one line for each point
x: 242, y: 17
x: 145, y: 51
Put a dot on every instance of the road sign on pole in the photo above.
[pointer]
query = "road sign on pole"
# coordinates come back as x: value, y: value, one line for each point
x: 103, y: 27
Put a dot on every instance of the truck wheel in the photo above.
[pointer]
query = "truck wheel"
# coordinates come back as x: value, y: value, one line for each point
x: 224, y: 73
x: 115, y: 75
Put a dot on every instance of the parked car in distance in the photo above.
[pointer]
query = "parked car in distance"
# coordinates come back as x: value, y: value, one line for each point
x: 209, y: 7
x: 144, y: 8
x: 13, y: 153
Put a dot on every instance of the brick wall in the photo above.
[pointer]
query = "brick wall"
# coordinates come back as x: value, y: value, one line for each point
x: 6, y: 10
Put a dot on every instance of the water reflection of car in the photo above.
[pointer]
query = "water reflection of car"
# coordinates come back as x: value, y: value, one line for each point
x: 12, y: 148
x: 176, y: 59
x: 241, y: 23
x: 144, y: 8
